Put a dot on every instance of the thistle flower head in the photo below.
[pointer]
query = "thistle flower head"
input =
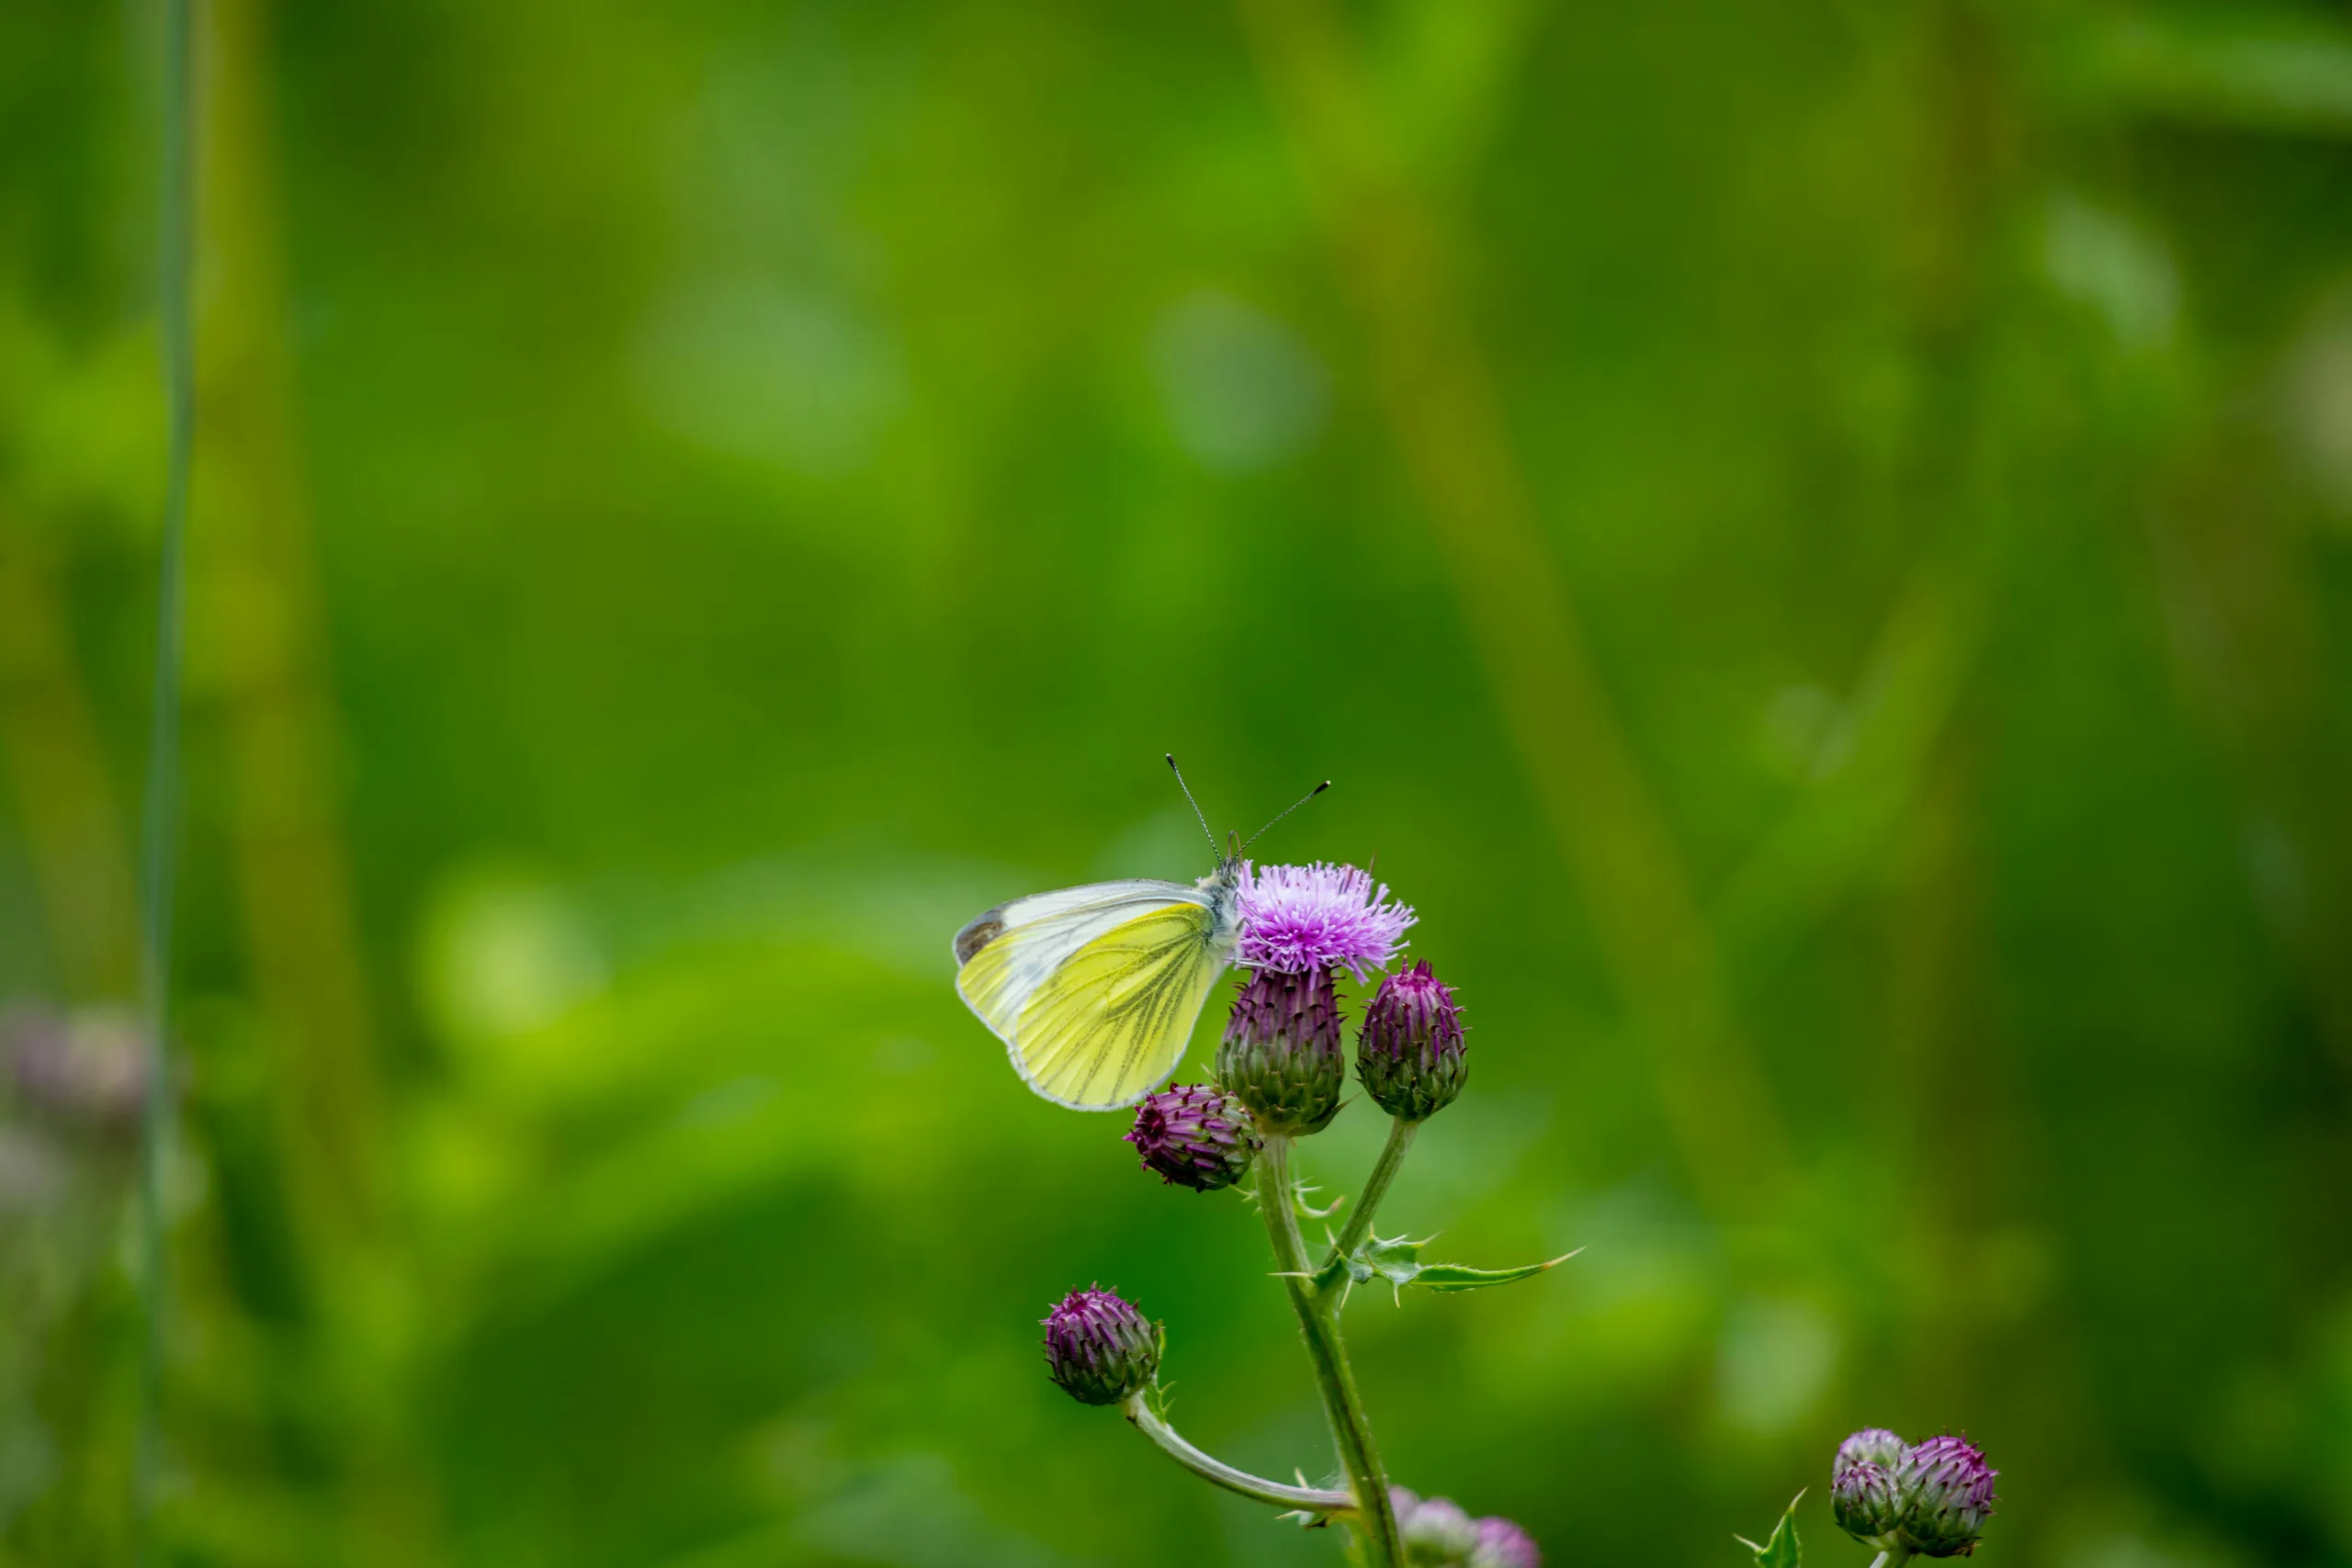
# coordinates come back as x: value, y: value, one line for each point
x: 1436, y: 1531
x: 1439, y: 1533
x: 1281, y: 1054
x: 1409, y: 1052
x: 1297, y: 918
x: 1947, y: 1494
x: 1502, y: 1544
x: 1099, y: 1348
x: 1194, y: 1136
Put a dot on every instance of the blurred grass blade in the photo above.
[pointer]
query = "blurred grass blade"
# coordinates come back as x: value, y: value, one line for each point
x: 160, y: 816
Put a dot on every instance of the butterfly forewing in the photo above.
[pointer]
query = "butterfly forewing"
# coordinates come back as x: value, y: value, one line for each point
x: 1112, y: 1023
x: 1094, y: 990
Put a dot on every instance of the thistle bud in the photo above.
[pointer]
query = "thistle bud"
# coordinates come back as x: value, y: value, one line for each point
x: 1502, y: 1544
x: 1864, y: 1499
x: 1947, y: 1494
x: 1099, y: 1349
x: 1194, y: 1136
x: 1871, y: 1445
x: 1281, y: 1056
x: 1409, y: 1053
x: 1437, y: 1532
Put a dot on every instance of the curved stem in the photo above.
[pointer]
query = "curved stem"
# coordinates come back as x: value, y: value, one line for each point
x: 1216, y: 1472
x: 1376, y: 1188
x: 1319, y: 1323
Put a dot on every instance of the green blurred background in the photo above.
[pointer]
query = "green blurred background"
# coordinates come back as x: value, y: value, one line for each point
x: 1814, y: 539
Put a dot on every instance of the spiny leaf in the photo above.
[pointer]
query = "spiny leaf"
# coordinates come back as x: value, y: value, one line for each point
x: 1457, y: 1277
x: 1783, y: 1549
x: 1398, y: 1262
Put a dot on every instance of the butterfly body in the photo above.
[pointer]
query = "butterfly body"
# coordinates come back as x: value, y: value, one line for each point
x: 1094, y: 990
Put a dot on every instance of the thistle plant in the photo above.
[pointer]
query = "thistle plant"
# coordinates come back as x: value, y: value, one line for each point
x: 1281, y: 1074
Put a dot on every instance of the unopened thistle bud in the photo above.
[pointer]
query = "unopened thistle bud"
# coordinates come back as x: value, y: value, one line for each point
x: 1194, y: 1136
x: 1409, y: 1052
x: 1436, y: 1531
x: 1099, y: 1348
x: 1281, y: 1055
x: 1867, y: 1504
x: 1947, y: 1495
x: 1872, y: 1445
x: 1502, y: 1544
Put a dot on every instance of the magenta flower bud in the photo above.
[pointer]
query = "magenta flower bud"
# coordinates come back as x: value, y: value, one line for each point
x: 1947, y: 1494
x: 1197, y: 1137
x: 1409, y: 1052
x: 1281, y: 1055
x: 1437, y: 1532
x: 1866, y: 1502
x: 1099, y: 1349
x: 1502, y: 1544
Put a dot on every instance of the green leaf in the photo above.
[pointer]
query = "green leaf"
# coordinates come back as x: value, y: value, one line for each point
x: 1459, y: 1277
x: 1783, y: 1550
x: 1398, y: 1262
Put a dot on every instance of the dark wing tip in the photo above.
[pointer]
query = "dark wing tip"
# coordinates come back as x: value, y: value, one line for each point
x: 978, y: 934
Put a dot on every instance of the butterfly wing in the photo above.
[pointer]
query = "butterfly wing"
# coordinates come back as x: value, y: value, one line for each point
x: 1094, y: 990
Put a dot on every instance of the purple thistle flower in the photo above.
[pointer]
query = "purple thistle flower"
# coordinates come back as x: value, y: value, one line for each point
x: 1297, y: 917
x: 1281, y: 1055
x: 1099, y: 1348
x: 91, y: 1068
x: 1197, y: 1137
x: 1947, y: 1493
x: 1502, y: 1544
x: 1409, y: 1052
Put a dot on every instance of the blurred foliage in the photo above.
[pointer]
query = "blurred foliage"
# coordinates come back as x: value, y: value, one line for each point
x: 1812, y: 537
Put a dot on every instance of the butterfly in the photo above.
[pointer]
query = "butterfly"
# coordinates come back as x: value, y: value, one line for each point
x: 1094, y: 990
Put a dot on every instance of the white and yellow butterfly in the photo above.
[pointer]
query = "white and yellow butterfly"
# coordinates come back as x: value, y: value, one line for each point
x: 1094, y: 990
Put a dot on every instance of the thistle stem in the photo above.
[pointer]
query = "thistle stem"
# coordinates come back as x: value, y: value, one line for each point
x: 1319, y: 1323
x: 1376, y: 1188
x: 1216, y: 1472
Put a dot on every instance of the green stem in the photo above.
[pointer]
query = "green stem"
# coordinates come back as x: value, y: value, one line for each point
x: 1351, y: 1236
x: 1214, y: 1471
x: 1319, y: 1323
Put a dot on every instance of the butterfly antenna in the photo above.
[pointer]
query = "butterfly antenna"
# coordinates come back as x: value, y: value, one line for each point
x: 1293, y: 806
x: 1195, y: 805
